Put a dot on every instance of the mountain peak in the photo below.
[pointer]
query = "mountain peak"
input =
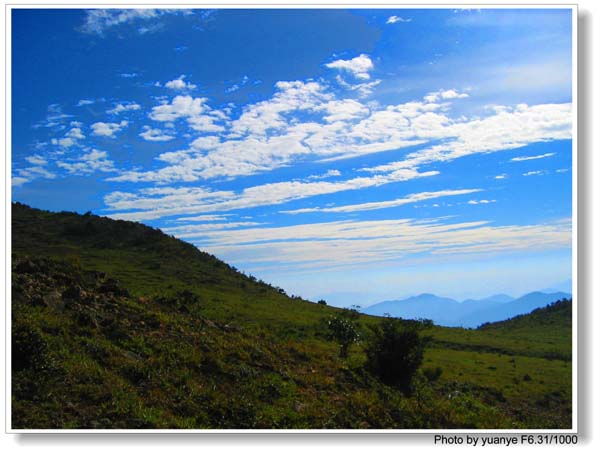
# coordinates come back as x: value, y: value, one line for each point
x: 425, y: 295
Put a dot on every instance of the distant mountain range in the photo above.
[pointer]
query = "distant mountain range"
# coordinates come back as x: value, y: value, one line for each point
x: 469, y: 313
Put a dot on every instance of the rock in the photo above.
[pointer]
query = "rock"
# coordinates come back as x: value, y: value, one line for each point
x: 73, y: 294
x: 53, y: 299
x: 112, y: 286
x: 61, y: 278
x: 39, y: 300
x: 38, y: 297
x: 105, y: 422
x: 132, y: 355
x: 26, y: 266
x: 87, y: 317
x: 299, y: 407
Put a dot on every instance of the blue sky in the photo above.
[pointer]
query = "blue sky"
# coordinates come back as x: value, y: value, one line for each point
x: 350, y: 155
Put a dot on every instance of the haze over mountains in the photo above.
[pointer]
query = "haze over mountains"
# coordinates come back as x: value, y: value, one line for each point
x: 469, y: 313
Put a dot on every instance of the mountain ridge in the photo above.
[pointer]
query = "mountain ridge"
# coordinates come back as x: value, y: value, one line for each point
x: 468, y: 313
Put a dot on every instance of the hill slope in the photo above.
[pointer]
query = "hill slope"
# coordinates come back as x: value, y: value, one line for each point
x: 522, y: 305
x: 556, y: 315
x: 116, y: 325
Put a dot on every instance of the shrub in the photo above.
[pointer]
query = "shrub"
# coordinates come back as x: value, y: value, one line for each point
x: 395, y: 352
x: 322, y: 302
x: 28, y: 348
x: 344, y: 331
x: 432, y: 374
x: 181, y: 300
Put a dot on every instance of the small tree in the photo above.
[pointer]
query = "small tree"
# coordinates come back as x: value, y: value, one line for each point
x: 344, y: 331
x: 396, y: 352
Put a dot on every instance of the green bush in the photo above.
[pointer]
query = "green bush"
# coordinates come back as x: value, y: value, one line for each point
x: 344, y: 331
x: 395, y: 352
x: 432, y: 374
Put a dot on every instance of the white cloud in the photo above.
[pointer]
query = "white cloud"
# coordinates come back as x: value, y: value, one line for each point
x: 502, y: 176
x: 75, y: 133
x: 271, y: 115
x: 36, y: 160
x: 64, y: 142
x: 529, y: 158
x: 237, y: 86
x: 179, y: 84
x: 330, y: 173
x: 343, y: 110
x: 151, y: 202
x: 396, y: 19
x: 262, y: 138
x: 480, y: 202
x: 152, y: 28
x: 363, y: 89
x: 70, y: 138
x: 193, y: 201
x: 35, y: 171
x: 205, y: 218
x: 359, y: 66
x: 307, y: 121
x: 442, y: 94
x: 155, y: 135
x: 122, y: 107
x: 98, y: 21
x: 343, y: 243
x: 108, y: 129
x: 194, y: 231
x: 534, y: 172
x: 92, y: 161
x: 205, y: 142
x: 412, y: 198
x: 205, y: 123
x: 511, y: 129
x: 85, y: 102
x: 55, y: 118
x: 182, y: 106
x: 268, y: 135
x: 19, y: 181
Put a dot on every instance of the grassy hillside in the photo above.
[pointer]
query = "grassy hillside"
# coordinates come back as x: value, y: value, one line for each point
x: 556, y: 315
x: 545, y: 332
x: 525, y: 361
x: 116, y: 325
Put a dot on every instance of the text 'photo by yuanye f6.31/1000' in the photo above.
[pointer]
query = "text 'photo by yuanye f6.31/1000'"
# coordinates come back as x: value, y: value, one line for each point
x: 292, y: 219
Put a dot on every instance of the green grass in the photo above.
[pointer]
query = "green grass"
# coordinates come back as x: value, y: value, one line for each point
x: 551, y: 342
x: 187, y: 341
x: 531, y: 390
